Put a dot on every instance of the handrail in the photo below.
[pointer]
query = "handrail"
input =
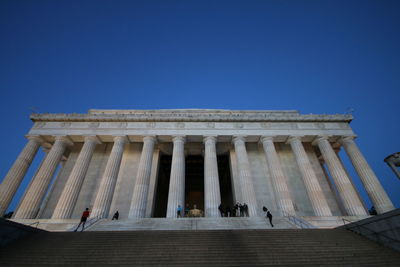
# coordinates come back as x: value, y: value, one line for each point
x: 298, y: 221
x: 14, y: 233
x: 375, y: 233
x: 92, y: 221
x: 37, y: 224
x: 88, y: 223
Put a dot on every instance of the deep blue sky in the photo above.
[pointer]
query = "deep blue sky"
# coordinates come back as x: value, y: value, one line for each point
x: 313, y: 56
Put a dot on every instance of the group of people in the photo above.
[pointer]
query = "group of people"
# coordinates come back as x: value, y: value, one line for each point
x: 195, y: 212
x: 239, y: 210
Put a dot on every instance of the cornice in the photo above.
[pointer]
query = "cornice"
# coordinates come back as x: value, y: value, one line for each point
x: 191, y: 116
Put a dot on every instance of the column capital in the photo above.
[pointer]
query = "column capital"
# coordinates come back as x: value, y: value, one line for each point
x: 150, y: 138
x: 238, y: 138
x: 319, y: 139
x: 92, y: 138
x: 120, y: 138
x: 64, y: 139
x: 36, y: 138
x: 266, y: 138
x: 294, y: 138
x: 46, y: 149
x: 345, y: 139
x: 179, y: 138
x: 210, y: 138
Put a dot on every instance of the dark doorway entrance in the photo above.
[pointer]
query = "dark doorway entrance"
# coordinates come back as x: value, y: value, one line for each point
x: 161, y: 197
x: 225, y: 183
x: 194, y: 181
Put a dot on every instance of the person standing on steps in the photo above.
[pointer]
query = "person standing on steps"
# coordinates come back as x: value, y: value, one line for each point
x: 269, y: 215
x: 179, y: 211
x: 228, y: 211
x: 84, y: 217
x: 221, y: 210
x: 241, y: 209
x: 236, y: 208
x: 246, y: 210
x: 116, y: 216
x: 187, y: 210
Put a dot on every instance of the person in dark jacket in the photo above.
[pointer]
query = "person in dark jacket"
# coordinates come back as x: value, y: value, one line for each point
x: 241, y: 209
x: 116, y: 216
x: 228, y: 211
x: 269, y: 216
x: 236, y: 208
x: 246, y: 210
x: 221, y: 210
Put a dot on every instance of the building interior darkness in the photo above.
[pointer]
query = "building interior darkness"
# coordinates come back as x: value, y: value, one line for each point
x: 194, y: 182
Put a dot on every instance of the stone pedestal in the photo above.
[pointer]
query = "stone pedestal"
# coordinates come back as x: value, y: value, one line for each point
x: 17, y: 172
x: 314, y: 191
x: 101, y: 206
x: 212, y: 195
x: 379, y: 198
x: 279, y: 180
x: 139, y: 198
x: 67, y: 200
x: 348, y: 195
x: 30, y: 205
x: 176, y: 194
x: 244, y: 175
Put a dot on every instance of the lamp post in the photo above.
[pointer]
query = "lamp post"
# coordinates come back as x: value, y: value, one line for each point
x: 394, y: 161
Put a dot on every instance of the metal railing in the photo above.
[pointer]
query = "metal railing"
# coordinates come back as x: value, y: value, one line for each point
x: 14, y: 233
x: 88, y: 223
x: 298, y: 221
x: 92, y: 221
x: 375, y: 235
x: 37, y: 224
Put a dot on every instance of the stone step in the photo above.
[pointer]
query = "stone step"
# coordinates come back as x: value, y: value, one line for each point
x: 226, y: 223
x: 199, y: 248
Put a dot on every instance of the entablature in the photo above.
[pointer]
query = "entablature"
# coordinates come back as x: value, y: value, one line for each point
x: 187, y: 115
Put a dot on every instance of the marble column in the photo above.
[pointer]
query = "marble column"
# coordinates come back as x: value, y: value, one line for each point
x: 30, y: 205
x: 279, y: 179
x: 314, y: 190
x: 176, y: 194
x: 348, y: 195
x: 70, y: 193
x: 377, y: 194
x: 244, y: 175
x: 212, y: 195
x: 141, y: 189
x: 102, y: 203
x: 17, y: 172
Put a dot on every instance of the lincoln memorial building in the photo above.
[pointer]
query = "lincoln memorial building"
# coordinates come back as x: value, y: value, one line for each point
x: 145, y: 163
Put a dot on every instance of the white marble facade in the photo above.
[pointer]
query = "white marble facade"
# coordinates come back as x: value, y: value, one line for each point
x: 280, y: 159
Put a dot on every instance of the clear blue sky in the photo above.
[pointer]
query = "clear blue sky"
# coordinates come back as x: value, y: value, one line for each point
x: 313, y: 56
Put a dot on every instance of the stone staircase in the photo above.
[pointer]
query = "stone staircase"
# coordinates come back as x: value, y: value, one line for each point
x: 277, y: 247
x: 203, y: 223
